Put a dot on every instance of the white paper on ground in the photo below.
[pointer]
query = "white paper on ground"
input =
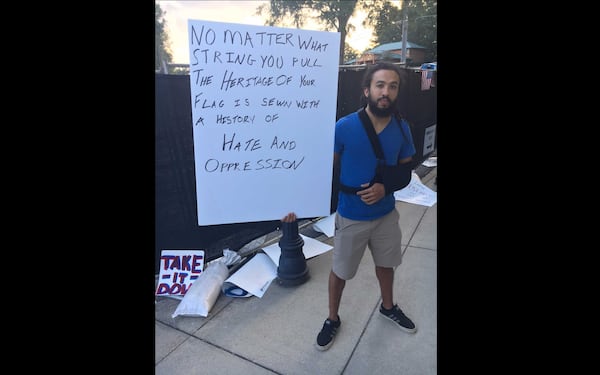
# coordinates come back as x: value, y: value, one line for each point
x: 326, y: 225
x: 430, y: 162
x: 255, y: 276
x: 417, y: 193
x: 311, y: 248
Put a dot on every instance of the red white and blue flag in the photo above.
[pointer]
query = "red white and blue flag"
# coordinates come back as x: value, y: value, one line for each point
x: 426, y: 77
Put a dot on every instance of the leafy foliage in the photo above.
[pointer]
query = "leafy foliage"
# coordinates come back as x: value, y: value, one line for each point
x: 162, y: 48
x: 386, y: 21
x: 382, y: 15
x: 350, y: 53
x: 422, y: 25
x: 333, y: 14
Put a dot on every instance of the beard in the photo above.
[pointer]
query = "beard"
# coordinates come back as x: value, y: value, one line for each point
x: 381, y: 112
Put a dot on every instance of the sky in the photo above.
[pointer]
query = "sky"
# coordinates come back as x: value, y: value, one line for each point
x: 240, y: 11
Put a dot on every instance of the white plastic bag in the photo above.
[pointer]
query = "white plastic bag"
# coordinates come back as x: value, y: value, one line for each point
x: 203, y: 293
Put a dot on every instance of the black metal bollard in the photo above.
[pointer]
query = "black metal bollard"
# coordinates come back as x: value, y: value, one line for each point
x: 292, y: 268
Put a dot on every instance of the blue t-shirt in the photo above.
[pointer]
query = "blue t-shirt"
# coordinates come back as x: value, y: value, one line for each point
x: 358, y: 163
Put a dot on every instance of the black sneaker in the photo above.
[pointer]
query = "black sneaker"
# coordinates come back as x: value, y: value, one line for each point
x: 397, y: 316
x: 327, y: 334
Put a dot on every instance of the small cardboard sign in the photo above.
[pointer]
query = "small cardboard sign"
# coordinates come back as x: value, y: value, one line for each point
x: 178, y: 271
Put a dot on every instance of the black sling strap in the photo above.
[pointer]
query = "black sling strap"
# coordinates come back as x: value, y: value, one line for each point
x: 368, y: 125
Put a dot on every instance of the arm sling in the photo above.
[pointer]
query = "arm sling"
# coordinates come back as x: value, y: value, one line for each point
x: 393, y: 177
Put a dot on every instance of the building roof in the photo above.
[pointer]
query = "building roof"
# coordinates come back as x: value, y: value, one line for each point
x: 393, y: 46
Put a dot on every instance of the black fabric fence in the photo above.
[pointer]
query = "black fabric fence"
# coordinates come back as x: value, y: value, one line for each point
x: 176, y: 221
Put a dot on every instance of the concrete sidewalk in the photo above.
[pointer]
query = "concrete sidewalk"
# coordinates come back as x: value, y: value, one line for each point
x: 276, y: 334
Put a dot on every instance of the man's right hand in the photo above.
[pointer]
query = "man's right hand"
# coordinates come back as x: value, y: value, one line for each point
x: 289, y: 218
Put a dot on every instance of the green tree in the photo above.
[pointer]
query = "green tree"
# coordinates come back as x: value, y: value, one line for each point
x: 162, y: 49
x: 386, y: 21
x: 334, y: 15
x: 422, y: 25
x: 350, y: 53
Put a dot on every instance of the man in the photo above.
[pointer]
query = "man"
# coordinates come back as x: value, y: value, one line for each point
x: 367, y: 215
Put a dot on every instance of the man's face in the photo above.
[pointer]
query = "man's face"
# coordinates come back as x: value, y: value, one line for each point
x: 383, y: 92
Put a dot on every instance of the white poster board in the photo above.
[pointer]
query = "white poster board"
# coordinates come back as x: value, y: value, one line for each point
x: 263, y: 117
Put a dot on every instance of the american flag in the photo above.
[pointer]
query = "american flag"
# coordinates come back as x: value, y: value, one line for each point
x: 426, y: 76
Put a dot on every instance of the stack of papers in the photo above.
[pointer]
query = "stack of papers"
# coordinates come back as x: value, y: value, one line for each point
x: 255, y: 277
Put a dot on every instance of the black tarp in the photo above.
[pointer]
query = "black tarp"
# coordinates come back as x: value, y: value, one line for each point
x: 176, y: 221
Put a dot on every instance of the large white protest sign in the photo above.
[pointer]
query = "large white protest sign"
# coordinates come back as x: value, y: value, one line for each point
x: 263, y: 116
